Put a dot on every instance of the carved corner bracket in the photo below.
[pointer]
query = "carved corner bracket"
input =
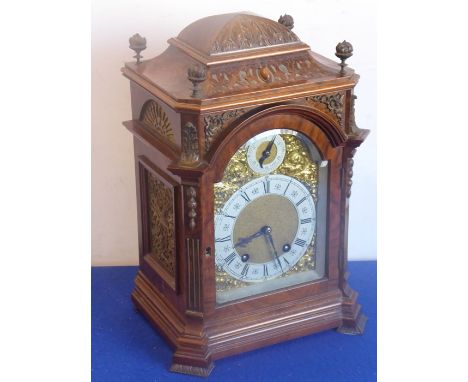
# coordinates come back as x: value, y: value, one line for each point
x: 216, y: 123
x: 353, y: 128
x: 330, y: 104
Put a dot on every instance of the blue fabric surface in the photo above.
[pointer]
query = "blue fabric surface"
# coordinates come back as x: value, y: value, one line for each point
x: 126, y: 348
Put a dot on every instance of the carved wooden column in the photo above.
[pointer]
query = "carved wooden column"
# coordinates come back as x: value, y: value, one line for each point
x: 354, y: 321
x: 191, y: 355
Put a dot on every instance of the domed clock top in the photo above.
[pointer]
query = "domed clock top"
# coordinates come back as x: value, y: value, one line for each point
x: 234, y: 32
x: 238, y: 53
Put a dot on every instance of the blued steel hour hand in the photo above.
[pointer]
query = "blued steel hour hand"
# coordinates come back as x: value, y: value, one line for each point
x: 267, y: 152
x: 243, y: 241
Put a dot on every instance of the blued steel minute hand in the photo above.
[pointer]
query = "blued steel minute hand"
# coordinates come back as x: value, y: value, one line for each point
x: 270, y: 239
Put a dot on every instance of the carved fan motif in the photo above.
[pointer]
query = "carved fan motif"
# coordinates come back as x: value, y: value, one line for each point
x: 153, y: 116
x: 161, y: 223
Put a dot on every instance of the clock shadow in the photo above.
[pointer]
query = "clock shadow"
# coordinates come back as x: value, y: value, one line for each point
x: 123, y: 342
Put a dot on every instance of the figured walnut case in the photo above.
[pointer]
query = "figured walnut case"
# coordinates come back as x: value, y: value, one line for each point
x: 221, y: 81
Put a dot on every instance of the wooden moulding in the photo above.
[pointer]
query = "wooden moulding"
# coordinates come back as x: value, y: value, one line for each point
x: 256, y: 98
x: 195, y: 353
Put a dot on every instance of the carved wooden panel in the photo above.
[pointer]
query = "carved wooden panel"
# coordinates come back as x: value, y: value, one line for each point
x: 153, y: 116
x: 158, y: 220
x: 266, y: 73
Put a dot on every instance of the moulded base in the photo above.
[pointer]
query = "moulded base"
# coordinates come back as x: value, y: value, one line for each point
x: 196, y: 347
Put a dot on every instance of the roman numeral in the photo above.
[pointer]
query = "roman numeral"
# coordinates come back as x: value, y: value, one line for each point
x: 229, y: 259
x: 245, y: 196
x: 245, y: 270
x: 284, y: 193
x: 266, y: 186
x: 286, y: 261
x: 300, y: 201
x: 305, y: 221
x: 223, y: 239
x: 229, y: 216
x: 265, y: 270
x: 300, y: 242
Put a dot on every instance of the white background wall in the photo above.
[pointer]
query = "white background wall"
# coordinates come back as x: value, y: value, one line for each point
x: 321, y: 24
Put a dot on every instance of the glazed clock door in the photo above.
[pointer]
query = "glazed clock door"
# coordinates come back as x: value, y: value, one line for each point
x: 270, y: 216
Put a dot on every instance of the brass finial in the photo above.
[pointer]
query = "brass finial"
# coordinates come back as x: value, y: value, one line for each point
x: 344, y: 50
x: 287, y: 21
x: 196, y: 74
x: 137, y: 43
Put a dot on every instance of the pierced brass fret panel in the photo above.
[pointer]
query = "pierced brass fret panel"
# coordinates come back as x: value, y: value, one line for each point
x: 161, y: 223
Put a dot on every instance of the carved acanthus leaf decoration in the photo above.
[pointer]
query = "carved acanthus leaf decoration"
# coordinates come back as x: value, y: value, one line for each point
x: 331, y: 104
x: 248, y: 32
x: 153, y: 116
x: 190, y: 150
x: 267, y: 73
x: 215, y: 123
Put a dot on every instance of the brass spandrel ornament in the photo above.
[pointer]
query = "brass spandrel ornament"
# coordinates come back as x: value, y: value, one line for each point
x: 297, y: 163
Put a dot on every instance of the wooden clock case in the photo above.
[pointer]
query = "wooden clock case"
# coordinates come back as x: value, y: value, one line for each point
x: 223, y: 80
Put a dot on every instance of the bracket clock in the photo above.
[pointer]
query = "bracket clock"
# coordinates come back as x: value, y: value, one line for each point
x: 244, y: 141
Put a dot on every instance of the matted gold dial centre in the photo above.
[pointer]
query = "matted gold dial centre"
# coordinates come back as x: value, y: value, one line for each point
x: 273, y: 211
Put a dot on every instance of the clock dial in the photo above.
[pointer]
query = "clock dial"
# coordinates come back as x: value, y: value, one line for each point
x: 265, y: 154
x: 264, y: 228
x: 267, y: 224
